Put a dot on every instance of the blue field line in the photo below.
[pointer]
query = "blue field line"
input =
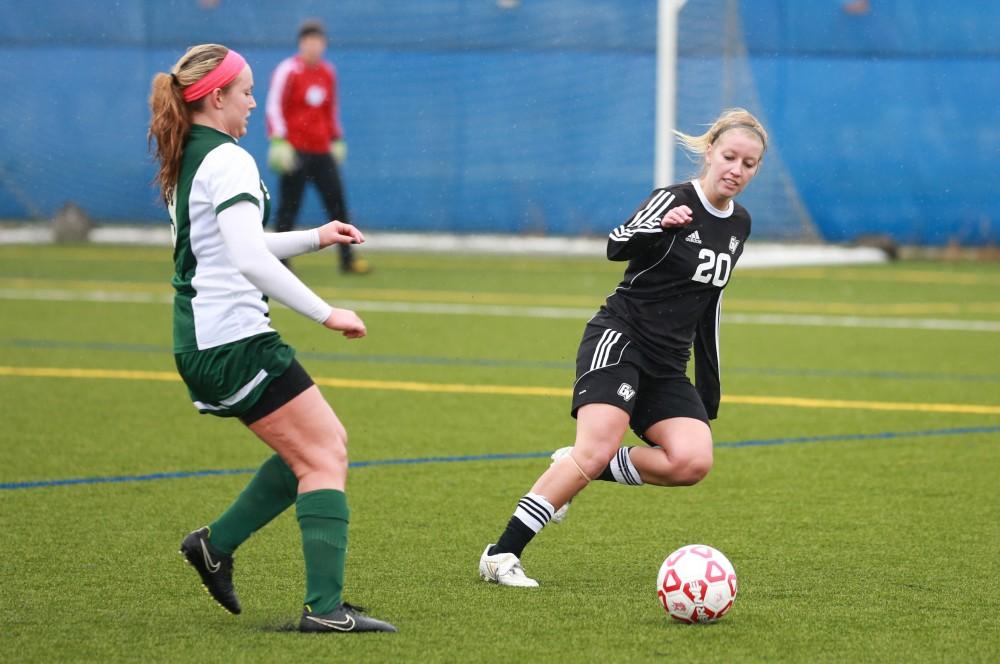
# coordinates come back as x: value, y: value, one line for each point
x: 837, y: 438
x: 120, y: 479
x: 514, y: 363
x: 854, y: 373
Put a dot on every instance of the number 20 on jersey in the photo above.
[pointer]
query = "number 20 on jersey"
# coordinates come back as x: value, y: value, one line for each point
x: 713, y: 268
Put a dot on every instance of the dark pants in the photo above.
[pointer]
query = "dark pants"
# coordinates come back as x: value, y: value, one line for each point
x: 321, y: 170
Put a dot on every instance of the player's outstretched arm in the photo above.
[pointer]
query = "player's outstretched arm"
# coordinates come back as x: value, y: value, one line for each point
x: 295, y: 243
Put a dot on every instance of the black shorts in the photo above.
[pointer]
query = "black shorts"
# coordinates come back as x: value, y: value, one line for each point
x: 290, y: 384
x: 609, y: 369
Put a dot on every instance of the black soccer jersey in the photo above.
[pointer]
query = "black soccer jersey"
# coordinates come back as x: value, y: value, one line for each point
x: 671, y: 295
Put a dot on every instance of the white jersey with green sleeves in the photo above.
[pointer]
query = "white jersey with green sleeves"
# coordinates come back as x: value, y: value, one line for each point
x: 214, y: 303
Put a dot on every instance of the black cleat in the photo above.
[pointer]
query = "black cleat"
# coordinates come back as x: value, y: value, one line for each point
x: 345, y: 618
x: 214, y: 568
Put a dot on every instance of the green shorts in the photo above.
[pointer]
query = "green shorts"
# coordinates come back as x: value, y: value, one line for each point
x: 227, y: 380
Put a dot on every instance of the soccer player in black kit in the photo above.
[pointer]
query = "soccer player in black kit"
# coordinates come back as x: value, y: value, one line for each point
x: 681, y: 245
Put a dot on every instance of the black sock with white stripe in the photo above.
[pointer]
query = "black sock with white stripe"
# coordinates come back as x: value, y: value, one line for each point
x: 532, y: 513
x: 621, y: 469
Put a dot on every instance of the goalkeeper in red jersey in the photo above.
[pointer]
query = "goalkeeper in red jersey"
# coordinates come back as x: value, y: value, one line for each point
x: 307, y: 139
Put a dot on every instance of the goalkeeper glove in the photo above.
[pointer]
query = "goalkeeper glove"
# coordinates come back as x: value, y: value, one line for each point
x: 281, y: 156
x: 339, y: 151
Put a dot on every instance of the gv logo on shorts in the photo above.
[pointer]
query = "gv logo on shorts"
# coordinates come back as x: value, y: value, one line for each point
x: 626, y: 391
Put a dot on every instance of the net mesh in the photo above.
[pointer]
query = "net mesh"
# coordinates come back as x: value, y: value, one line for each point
x: 714, y: 73
x: 461, y: 115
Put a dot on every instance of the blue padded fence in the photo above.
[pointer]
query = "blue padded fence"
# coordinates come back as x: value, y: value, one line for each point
x: 464, y: 116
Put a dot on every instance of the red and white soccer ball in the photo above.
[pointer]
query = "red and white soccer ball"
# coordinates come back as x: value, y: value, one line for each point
x: 696, y: 584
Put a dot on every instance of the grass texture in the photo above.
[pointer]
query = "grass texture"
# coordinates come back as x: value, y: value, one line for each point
x: 855, y: 496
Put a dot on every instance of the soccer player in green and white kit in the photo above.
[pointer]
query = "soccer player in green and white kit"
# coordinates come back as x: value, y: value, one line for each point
x: 233, y: 362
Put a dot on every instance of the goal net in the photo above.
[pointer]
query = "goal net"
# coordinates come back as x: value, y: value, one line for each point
x: 713, y: 73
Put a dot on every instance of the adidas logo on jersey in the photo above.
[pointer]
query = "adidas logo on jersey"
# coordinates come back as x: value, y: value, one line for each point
x: 694, y: 237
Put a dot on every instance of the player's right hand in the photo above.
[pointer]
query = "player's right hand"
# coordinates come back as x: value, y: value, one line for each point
x: 281, y: 156
x: 678, y: 216
x: 347, y: 322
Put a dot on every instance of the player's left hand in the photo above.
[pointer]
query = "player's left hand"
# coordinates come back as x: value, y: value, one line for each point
x: 347, y: 323
x: 337, y: 232
x: 678, y: 216
x: 339, y: 151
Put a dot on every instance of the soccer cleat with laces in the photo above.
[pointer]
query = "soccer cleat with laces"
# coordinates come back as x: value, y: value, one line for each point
x: 504, y: 569
x: 344, y: 618
x: 214, y: 568
x: 560, y: 514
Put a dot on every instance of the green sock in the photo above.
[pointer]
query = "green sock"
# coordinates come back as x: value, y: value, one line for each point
x: 271, y: 491
x: 323, y: 516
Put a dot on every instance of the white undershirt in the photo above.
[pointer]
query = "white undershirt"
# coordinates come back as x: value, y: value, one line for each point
x: 255, y: 254
x: 292, y: 243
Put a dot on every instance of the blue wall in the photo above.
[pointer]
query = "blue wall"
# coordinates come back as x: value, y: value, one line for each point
x: 887, y: 121
x: 462, y: 116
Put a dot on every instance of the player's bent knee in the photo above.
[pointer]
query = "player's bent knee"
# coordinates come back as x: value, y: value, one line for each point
x: 339, y: 433
x: 327, y: 455
x: 592, y: 459
x: 335, y: 453
x: 694, y: 471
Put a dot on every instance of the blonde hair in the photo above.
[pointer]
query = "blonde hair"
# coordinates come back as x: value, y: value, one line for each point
x: 731, y: 118
x: 171, y: 115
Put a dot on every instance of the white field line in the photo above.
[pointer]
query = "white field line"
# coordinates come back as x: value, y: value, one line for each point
x: 511, y: 311
x: 811, y: 320
x: 757, y: 254
x: 65, y: 295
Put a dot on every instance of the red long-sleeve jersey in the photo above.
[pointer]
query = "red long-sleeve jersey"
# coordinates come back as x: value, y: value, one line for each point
x: 302, y: 105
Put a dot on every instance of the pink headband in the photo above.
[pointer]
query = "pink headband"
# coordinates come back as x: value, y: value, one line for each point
x: 220, y: 77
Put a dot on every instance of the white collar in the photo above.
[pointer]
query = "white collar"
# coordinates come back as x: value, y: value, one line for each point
x: 714, y: 211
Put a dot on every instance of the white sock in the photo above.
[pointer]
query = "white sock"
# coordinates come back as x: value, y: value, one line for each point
x: 534, y: 511
x: 623, y: 469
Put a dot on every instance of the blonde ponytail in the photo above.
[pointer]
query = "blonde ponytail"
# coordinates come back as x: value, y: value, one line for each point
x: 171, y: 115
x: 732, y: 118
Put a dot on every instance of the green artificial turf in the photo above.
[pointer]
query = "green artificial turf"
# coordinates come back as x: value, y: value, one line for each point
x: 859, y: 533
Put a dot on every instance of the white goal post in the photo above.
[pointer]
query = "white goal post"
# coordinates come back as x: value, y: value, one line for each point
x: 666, y: 90
x: 702, y: 67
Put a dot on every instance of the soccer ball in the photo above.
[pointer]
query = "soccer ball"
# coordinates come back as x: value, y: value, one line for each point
x: 696, y: 584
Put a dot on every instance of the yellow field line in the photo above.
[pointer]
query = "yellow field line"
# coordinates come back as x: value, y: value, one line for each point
x: 445, y: 388
x: 798, y: 402
x: 58, y: 372
x: 516, y: 390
